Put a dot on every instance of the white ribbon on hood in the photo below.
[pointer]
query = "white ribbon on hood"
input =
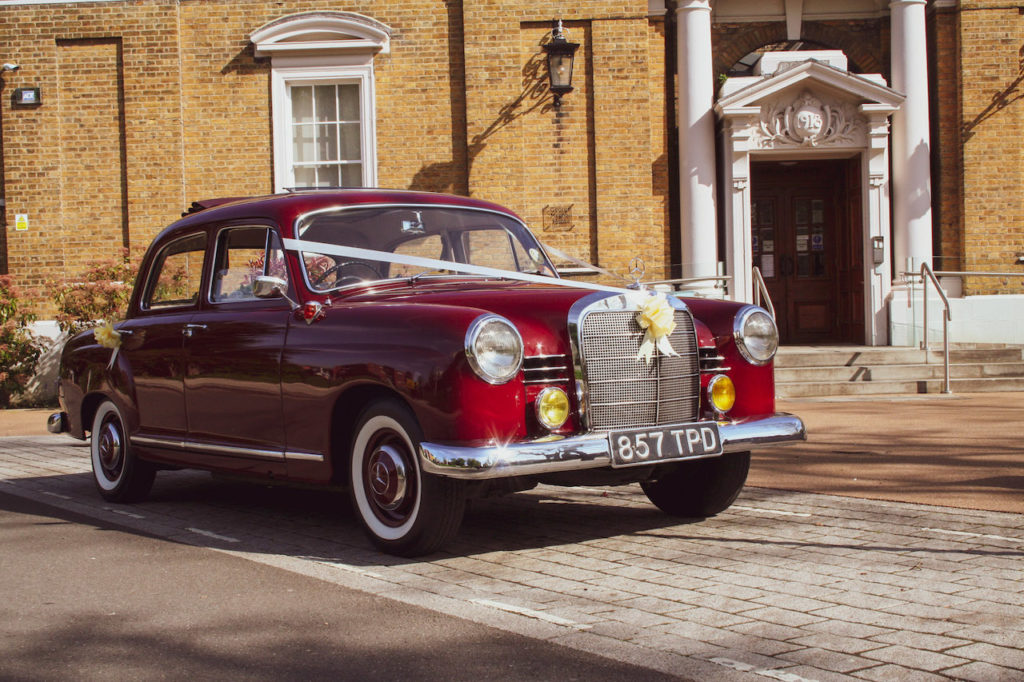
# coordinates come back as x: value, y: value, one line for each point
x: 435, y: 264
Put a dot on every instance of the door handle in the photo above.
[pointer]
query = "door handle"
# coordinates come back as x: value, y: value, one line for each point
x: 189, y: 329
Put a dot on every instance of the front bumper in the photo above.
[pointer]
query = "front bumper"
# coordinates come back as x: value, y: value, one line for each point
x: 590, y: 451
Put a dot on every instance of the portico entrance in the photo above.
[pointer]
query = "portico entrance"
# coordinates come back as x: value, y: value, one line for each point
x: 805, y: 238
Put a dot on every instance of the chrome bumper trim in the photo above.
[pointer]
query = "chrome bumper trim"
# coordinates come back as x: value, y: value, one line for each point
x: 57, y: 422
x: 589, y: 451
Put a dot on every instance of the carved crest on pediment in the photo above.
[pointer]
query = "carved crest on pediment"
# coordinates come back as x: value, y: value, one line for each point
x: 810, y: 121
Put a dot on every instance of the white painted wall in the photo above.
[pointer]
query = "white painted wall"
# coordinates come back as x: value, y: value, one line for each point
x: 976, y: 319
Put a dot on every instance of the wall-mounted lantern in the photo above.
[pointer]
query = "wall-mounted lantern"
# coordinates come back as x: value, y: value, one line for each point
x: 561, y: 54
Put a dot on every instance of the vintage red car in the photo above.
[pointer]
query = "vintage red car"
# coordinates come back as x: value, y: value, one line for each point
x: 420, y: 350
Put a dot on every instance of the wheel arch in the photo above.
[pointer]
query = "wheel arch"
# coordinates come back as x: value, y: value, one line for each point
x: 90, y: 404
x: 346, y: 410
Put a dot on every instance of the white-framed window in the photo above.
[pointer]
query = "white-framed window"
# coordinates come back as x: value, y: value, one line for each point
x: 324, y: 127
x: 324, y: 105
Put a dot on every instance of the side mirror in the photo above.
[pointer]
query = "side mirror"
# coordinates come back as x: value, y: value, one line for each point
x: 266, y: 286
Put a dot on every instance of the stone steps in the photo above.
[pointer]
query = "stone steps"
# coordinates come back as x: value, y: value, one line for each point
x: 863, y: 370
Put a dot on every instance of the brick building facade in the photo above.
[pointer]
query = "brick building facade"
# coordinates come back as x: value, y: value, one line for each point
x: 148, y: 105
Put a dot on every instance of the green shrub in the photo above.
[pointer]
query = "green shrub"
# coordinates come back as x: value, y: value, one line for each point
x: 101, y: 293
x: 19, y: 348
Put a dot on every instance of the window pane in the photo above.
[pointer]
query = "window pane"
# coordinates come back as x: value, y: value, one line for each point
x: 302, y: 144
x: 177, y: 273
x: 327, y: 176
x: 305, y: 176
x: 348, y: 94
x: 327, y: 142
x: 326, y: 103
x: 352, y: 175
x: 350, y: 142
x: 241, y: 258
x: 490, y: 248
x: 302, y: 104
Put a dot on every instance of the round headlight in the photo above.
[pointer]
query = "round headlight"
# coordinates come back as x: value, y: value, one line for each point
x: 494, y: 349
x: 552, y: 407
x: 756, y: 335
x: 721, y: 393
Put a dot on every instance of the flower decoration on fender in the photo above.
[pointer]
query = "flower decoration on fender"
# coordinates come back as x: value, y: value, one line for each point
x: 108, y: 337
x: 657, y: 318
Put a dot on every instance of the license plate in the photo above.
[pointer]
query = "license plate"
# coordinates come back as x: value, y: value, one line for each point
x: 664, y: 443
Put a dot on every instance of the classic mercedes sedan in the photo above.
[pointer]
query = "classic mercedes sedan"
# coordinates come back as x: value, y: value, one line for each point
x: 418, y: 350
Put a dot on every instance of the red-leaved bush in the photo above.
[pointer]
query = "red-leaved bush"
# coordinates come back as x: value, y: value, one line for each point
x: 19, y: 348
x: 101, y: 293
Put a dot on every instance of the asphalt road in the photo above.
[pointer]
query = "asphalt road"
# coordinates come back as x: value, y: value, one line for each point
x: 82, y: 599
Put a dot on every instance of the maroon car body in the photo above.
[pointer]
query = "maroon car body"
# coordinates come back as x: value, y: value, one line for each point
x: 240, y: 354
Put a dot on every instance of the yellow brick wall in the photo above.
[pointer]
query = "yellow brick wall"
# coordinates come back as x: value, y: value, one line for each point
x: 90, y: 111
x: 992, y: 116
x: 64, y: 166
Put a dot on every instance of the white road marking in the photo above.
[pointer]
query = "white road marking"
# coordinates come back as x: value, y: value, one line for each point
x: 215, y: 536
x: 530, y: 613
x: 971, y: 535
x: 351, y: 569
x: 777, y: 512
x: 773, y: 673
x: 124, y: 513
x: 63, y: 497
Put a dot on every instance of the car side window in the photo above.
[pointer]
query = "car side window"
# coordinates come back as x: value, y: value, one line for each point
x: 243, y: 254
x: 493, y: 248
x: 429, y: 246
x: 177, y: 272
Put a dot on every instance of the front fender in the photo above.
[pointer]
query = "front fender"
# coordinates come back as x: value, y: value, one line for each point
x: 412, y: 350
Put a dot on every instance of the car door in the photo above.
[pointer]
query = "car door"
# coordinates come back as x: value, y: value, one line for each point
x: 233, y: 356
x: 153, y: 340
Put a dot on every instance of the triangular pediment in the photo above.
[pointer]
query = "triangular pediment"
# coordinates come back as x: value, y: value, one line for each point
x: 813, y: 76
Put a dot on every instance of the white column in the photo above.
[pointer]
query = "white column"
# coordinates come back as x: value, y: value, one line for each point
x: 696, y: 141
x: 911, y: 157
x: 876, y: 186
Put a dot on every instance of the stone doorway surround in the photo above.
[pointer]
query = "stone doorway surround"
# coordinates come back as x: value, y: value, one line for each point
x: 801, y: 106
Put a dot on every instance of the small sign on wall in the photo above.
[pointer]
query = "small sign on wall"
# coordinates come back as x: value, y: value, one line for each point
x: 21, y: 222
x: 27, y: 97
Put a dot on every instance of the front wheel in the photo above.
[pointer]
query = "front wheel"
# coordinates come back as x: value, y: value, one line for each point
x: 703, y: 487
x: 120, y: 476
x: 403, y: 510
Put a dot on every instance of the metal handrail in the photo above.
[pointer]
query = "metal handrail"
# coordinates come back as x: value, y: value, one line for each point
x: 760, y: 289
x: 926, y: 276
x: 958, y: 273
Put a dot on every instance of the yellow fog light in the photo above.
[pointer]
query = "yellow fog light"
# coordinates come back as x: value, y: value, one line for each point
x: 552, y: 407
x: 721, y: 393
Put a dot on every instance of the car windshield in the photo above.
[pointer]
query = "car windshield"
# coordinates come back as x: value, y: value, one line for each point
x: 461, y: 235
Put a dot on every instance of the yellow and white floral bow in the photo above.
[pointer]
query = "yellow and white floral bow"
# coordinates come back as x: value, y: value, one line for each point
x: 108, y: 337
x: 657, y: 318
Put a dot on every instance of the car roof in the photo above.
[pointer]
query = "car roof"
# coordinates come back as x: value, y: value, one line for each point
x: 285, y: 208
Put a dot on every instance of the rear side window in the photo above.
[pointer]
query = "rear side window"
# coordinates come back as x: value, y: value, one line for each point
x: 176, y: 275
x: 243, y: 254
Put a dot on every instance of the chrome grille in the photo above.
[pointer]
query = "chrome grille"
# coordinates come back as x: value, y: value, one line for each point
x: 624, y: 392
x: 711, y: 361
x: 546, y: 369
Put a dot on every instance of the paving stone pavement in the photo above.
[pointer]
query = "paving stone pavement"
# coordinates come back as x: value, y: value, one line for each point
x: 788, y: 586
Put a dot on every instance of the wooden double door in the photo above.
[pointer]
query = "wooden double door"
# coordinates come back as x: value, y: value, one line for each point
x: 806, y: 235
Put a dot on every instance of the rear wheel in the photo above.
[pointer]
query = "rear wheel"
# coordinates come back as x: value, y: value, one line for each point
x: 403, y: 510
x: 120, y: 476
x: 703, y: 487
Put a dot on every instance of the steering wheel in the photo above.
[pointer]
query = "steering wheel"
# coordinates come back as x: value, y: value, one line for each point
x: 355, y: 264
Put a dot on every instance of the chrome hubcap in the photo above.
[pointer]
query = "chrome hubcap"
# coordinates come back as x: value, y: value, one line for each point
x: 386, y: 476
x: 111, y: 450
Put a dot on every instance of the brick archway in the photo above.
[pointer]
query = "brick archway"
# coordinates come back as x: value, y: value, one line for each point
x: 863, y: 42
